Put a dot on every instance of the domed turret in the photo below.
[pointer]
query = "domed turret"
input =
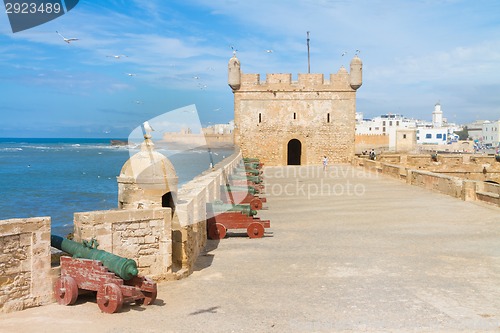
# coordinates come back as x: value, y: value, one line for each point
x: 147, y: 180
x: 234, y: 73
x: 356, y: 73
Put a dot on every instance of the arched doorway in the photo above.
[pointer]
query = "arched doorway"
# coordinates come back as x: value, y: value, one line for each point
x: 168, y: 200
x: 294, y: 152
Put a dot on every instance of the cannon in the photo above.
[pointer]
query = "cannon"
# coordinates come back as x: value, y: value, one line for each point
x: 222, y: 217
x: 251, y: 159
x: 242, y: 195
x: 123, y: 267
x: 220, y: 207
x: 253, y: 179
x: 236, y: 188
x: 114, y: 278
x: 252, y: 165
x: 253, y: 172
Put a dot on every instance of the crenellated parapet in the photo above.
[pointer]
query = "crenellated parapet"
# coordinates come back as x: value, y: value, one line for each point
x: 340, y: 81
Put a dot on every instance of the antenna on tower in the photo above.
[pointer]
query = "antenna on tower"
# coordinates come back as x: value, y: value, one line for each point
x: 308, y: 55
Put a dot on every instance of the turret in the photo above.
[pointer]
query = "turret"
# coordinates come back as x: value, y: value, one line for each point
x: 356, y: 73
x: 234, y: 73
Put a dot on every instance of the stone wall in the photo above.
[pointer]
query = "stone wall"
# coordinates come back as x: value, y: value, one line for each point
x: 367, y: 142
x: 457, y: 187
x: 144, y: 235
x: 25, y: 272
x: 189, y: 226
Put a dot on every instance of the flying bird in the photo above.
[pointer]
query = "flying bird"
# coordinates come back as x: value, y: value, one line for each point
x: 131, y: 74
x: 118, y: 56
x: 269, y: 51
x: 67, y: 40
x: 357, y: 52
x: 344, y: 53
x: 234, y: 50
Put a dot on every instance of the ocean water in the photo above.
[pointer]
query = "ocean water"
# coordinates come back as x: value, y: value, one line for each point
x: 57, y: 177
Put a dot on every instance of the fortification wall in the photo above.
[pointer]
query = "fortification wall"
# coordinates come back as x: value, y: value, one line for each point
x: 25, y: 272
x: 365, y: 142
x: 457, y: 187
x: 144, y: 235
x: 189, y: 228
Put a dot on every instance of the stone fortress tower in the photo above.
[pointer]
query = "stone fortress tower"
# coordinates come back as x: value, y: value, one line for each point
x: 285, y: 122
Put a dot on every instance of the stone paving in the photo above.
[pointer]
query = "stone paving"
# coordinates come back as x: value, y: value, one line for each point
x: 347, y: 251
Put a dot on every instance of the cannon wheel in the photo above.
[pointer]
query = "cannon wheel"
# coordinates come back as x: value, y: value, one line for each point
x: 256, y: 204
x: 109, y: 298
x: 66, y: 290
x: 255, y: 230
x: 217, y: 231
x: 149, y: 298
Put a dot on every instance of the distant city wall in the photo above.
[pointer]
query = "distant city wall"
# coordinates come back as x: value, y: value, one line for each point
x: 25, y: 272
x: 465, y: 189
x: 367, y: 142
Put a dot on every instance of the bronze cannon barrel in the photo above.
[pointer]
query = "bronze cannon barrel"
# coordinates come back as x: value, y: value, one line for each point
x: 123, y: 267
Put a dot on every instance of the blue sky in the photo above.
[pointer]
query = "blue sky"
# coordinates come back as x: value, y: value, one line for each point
x: 415, y: 53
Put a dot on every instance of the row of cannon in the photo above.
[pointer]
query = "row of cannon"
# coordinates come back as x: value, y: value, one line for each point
x: 241, y: 199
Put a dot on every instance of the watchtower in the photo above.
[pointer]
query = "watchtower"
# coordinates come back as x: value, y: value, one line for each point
x: 285, y: 122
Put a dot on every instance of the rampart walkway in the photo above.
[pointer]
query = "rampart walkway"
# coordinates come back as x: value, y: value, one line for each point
x: 349, y: 251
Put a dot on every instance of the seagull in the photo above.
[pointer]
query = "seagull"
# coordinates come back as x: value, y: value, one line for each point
x: 218, y: 109
x: 131, y: 74
x: 234, y: 50
x: 196, y: 77
x: 147, y: 127
x: 118, y: 56
x: 138, y: 102
x: 269, y: 51
x: 67, y: 40
x: 357, y: 52
x: 344, y: 53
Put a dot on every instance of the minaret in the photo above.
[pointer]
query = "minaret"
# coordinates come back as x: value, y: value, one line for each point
x: 437, y: 116
x: 234, y: 73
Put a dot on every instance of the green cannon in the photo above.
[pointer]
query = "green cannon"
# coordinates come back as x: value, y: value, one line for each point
x: 253, y: 179
x: 249, y: 189
x: 220, y: 207
x: 123, y: 267
x: 251, y: 160
x: 252, y: 165
x: 254, y: 172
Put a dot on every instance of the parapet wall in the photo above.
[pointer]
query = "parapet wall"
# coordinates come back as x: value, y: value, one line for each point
x: 144, y: 235
x: 189, y: 227
x: 468, y: 190
x: 25, y: 272
x: 304, y: 82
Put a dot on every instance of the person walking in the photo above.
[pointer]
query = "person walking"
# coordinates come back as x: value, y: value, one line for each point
x: 325, y: 162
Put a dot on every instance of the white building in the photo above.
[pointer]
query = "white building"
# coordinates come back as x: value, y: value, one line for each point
x: 490, y: 133
x: 383, y: 125
x: 433, y: 136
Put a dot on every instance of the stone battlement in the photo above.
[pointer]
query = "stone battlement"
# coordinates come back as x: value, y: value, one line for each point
x: 304, y: 82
